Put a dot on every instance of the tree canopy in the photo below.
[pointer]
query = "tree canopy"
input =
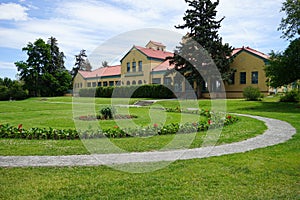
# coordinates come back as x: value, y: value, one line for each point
x: 44, y: 73
x: 189, y: 60
x: 290, y: 25
x: 12, y: 90
x: 284, y: 68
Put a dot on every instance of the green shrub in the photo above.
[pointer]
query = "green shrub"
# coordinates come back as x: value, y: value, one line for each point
x: 143, y: 91
x: 251, y: 93
x: 291, y: 96
x: 4, y: 93
x: 107, y: 112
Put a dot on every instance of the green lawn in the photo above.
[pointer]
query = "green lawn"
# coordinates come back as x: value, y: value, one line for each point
x: 269, y: 173
x: 57, y: 113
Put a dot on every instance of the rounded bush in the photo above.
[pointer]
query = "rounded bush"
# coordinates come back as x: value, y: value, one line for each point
x: 291, y: 96
x: 251, y: 93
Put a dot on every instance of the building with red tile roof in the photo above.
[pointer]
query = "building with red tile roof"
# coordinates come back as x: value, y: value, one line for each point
x: 149, y: 64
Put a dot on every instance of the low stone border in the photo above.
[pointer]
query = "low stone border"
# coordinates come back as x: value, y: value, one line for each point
x: 278, y: 132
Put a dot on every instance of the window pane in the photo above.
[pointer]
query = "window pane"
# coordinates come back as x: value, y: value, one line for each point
x: 243, y: 78
x: 140, y: 66
x: 232, y: 79
x: 254, y: 77
x: 167, y: 81
x: 128, y: 67
x: 156, y: 81
x: 134, y: 66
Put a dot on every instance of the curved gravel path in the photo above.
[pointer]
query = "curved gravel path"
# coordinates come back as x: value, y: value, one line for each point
x: 277, y: 132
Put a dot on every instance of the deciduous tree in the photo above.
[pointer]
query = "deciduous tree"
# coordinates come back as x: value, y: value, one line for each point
x: 290, y: 25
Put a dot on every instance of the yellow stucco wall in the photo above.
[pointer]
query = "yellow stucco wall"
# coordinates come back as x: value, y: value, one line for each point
x: 144, y: 76
x: 78, y: 83
x: 246, y: 62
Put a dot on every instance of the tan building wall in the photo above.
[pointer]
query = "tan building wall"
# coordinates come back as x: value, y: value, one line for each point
x: 249, y: 65
x: 137, y: 77
x: 78, y: 83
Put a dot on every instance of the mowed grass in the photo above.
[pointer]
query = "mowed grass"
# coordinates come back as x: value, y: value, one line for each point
x: 269, y: 173
x: 245, y: 128
x: 40, y: 112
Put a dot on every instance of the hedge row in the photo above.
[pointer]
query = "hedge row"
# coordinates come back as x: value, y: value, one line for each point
x: 143, y: 91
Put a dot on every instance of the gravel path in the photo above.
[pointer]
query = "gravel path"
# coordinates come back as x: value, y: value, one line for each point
x: 277, y: 132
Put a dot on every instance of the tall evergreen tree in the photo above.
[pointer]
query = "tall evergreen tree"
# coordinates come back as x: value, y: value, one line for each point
x: 81, y: 63
x: 43, y: 68
x: 57, y: 61
x: 201, y: 43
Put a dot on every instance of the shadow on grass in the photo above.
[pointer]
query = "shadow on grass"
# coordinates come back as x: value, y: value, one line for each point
x: 258, y: 106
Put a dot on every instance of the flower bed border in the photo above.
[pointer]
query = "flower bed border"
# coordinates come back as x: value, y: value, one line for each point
x: 215, y: 120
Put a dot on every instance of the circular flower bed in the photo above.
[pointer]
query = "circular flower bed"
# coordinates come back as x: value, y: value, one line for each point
x: 99, y: 117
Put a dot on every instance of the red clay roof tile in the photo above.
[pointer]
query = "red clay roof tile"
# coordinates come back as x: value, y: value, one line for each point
x: 102, y: 72
x: 154, y: 53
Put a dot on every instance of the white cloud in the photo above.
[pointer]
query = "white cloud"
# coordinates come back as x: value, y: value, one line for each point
x: 251, y: 23
x: 87, y: 24
x: 7, y: 65
x: 13, y: 11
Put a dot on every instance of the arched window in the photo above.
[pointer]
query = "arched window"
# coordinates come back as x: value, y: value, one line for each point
x: 140, y: 82
x: 128, y: 83
x: 133, y: 82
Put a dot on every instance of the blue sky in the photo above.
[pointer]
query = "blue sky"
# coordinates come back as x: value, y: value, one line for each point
x: 89, y: 24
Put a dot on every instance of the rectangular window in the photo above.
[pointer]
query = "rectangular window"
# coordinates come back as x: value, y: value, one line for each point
x: 232, y: 79
x: 167, y: 81
x: 128, y: 67
x: 140, y: 66
x: 243, y: 78
x: 99, y: 84
x: 178, y: 87
x: 254, y: 78
x: 204, y: 86
x: 156, y: 81
x: 89, y: 84
x: 111, y: 83
x: 105, y: 84
x: 94, y: 84
x: 133, y: 66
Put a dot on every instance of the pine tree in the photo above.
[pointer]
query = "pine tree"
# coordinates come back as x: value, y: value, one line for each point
x: 202, y: 47
x: 81, y: 63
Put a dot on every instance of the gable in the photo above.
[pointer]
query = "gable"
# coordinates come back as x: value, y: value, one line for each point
x: 133, y: 51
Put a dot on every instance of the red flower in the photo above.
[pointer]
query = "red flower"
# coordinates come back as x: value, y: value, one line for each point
x: 20, y: 126
x: 209, y: 122
x: 228, y: 117
x: 155, y: 125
